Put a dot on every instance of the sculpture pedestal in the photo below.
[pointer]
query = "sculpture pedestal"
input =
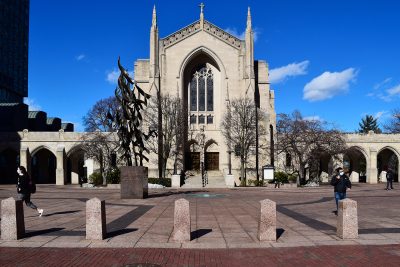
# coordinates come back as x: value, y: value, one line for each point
x: 134, y: 182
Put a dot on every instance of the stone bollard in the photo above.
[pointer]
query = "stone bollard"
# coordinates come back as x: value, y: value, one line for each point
x: 347, y: 223
x: 96, y: 219
x: 181, y: 230
x: 12, y: 219
x: 267, y: 222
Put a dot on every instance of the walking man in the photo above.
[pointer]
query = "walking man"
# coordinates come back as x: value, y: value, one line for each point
x: 24, y: 188
x: 389, y: 179
x: 341, y: 182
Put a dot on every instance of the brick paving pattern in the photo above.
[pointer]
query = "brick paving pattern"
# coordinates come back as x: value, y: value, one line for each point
x: 224, y: 224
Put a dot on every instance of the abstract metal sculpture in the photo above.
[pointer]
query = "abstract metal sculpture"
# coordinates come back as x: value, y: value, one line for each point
x: 128, y: 119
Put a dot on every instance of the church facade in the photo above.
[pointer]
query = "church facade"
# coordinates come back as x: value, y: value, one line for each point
x: 207, y: 68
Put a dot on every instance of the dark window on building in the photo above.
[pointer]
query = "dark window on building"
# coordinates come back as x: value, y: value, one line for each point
x: 202, y: 90
x: 192, y: 119
x: 201, y: 119
x: 210, y: 119
x: 193, y: 94
x: 210, y: 92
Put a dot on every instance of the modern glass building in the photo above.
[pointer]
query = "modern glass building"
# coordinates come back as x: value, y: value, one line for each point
x: 14, y: 32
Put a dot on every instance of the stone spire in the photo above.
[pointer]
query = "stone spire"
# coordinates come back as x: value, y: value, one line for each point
x: 154, y: 20
x: 248, y: 19
x: 154, y: 46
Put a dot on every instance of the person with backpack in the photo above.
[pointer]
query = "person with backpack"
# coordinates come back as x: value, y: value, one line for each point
x: 389, y: 179
x: 341, y: 182
x: 25, y: 187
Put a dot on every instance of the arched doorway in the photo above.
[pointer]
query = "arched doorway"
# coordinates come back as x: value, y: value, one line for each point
x: 211, y: 155
x: 355, y: 162
x: 43, y: 166
x: 76, y: 172
x: 9, y: 161
x: 388, y: 159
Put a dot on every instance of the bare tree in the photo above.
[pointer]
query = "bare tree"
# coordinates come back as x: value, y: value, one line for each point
x: 172, y: 127
x: 393, y: 125
x: 307, y: 141
x: 239, y: 129
x: 99, y: 141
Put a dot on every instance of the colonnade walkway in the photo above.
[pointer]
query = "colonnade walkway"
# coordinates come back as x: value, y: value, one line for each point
x: 224, y: 225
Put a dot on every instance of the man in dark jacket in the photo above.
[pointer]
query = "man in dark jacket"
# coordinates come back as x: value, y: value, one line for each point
x: 341, y: 182
x: 389, y: 179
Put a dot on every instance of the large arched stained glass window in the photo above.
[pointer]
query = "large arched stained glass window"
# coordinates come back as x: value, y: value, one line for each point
x: 202, y: 90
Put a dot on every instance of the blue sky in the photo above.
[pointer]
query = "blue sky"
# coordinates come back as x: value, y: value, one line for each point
x: 333, y: 60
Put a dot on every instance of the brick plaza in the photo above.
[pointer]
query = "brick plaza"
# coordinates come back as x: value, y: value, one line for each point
x: 223, y: 228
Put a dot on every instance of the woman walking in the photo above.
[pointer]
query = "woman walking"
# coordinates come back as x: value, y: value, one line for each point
x: 24, y: 189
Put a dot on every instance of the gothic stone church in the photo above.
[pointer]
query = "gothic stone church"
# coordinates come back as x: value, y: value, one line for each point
x: 207, y: 67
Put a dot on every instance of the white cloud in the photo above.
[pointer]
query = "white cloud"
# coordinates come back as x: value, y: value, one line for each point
x: 382, y: 83
x: 329, y: 84
x: 80, y: 57
x: 242, y: 35
x: 112, y: 76
x: 381, y: 114
x: 293, y: 69
x: 390, y: 93
x: 313, y: 118
x: 32, y: 105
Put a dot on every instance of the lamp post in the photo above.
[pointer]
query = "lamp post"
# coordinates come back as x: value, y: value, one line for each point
x: 176, y: 155
x: 229, y: 162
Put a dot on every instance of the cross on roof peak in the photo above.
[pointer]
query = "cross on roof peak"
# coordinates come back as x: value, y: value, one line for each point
x: 201, y: 8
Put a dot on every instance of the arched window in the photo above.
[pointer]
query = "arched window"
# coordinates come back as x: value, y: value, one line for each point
x: 201, y: 90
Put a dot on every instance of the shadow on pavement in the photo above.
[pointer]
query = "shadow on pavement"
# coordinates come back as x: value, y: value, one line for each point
x: 379, y: 231
x: 42, y: 232
x: 128, y: 218
x: 120, y: 232
x: 170, y: 193
x: 61, y: 212
x: 199, y: 233
x: 279, y: 232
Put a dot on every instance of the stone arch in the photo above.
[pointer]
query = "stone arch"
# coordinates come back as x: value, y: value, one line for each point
x: 388, y: 158
x: 43, y: 165
x: 356, y: 160
x: 76, y: 170
x: 194, y: 53
x: 37, y: 149
x: 9, y: 161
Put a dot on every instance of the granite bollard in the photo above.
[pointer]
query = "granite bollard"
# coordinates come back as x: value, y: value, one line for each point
x: 96, y: 219
x: 12, y: 219
x: 267, y: 222
x: 347, y: 223
x: 181, y: 230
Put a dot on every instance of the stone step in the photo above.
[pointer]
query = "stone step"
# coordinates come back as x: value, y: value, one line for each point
x: 213, y: 182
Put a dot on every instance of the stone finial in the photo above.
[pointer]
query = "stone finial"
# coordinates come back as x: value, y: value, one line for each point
x: 248, y: 19
x: 267, y: 222
x: 201, y: 15
x: 12, y: 219
x: 96, y: 219
x: 181, y: 232
x: 154, y: 19
x: 347, y: 223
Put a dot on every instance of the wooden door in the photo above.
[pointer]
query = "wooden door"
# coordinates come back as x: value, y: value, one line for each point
x: 212, y: 161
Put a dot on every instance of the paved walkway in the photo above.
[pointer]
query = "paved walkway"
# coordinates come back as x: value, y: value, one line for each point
x: 226, y: 219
